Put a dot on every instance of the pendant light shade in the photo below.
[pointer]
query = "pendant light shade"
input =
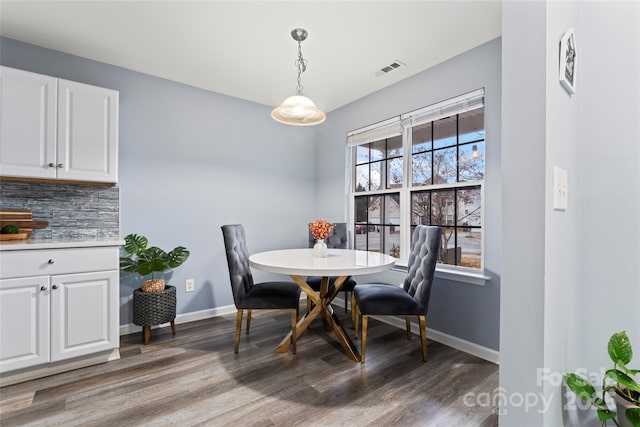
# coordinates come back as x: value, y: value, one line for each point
x: 298, y: 110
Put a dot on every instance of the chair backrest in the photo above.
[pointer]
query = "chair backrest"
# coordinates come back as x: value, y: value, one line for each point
x: 338, y: 239
x: 422, y: 264
x: 237, y: 260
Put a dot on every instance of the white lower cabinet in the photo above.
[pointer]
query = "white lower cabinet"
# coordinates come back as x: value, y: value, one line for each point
x: 24, y: 322
x: 82, y: 314
x: 46, y: 319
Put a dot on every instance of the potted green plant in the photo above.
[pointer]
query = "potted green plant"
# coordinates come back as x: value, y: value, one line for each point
x: 619, y: 382
x: 152, y: 260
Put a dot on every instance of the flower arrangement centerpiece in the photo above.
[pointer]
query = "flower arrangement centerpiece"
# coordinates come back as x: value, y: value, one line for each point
x: 320, y: 229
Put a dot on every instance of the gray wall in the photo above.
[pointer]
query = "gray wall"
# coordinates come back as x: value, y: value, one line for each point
x: 463, y: 310
x: 578, y: 280
x: 609, y: 188
x: 523, y: 210
x: 562, y: 228
x: 190, y: 161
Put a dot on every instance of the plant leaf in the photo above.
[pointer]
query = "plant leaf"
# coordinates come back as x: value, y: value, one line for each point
x: 128, y: 265
x: 134, y: 244
x: 622, y: 378
x: 620, y: 348
x: 581, y: 387
x: 177, y: 256
x: 144, y: 268
x: 627, y: 370
x: 605, y: 414
x: 633, y: 415
x: 157, y: 264
x: 153, y: 253
x: 599, y: 403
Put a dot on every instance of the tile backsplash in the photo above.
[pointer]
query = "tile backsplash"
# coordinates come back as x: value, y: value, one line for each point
x: 74, y: 211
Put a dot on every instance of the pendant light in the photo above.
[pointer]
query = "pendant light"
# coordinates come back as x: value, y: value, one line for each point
x: 298, y: 110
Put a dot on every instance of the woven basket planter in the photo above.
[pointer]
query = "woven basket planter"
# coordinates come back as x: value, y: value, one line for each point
x: 154, y: 308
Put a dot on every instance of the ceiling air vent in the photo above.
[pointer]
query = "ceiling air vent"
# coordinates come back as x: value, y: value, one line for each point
x: 387, y: 69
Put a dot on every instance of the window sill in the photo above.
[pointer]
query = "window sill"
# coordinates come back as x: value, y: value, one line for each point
x: 469, y: 277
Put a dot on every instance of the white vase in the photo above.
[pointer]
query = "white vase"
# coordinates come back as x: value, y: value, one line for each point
x: 320, y: 249
x: 621, y: 408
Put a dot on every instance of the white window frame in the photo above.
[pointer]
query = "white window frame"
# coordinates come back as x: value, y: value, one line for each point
x: 401, y: 125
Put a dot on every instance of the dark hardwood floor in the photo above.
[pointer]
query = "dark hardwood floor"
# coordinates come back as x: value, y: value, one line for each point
x: 195, y: 379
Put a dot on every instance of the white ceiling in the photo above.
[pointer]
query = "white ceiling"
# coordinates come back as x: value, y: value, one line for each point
x: 244, y: 48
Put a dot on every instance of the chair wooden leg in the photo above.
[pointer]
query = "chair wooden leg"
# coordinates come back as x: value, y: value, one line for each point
x: 248, y: 321
x: 294, y: 322
x: 238, y: 328
x: 173, y: 327
x: 423, y: 337
x: 308, y: 304
x: 356, y: 318
x: 365, y: 323
x: 354, y: 309
x: 407, y: 320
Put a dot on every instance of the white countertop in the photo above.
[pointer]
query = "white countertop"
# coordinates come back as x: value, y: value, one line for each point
x: 17, y: 245
x: 339, y: 262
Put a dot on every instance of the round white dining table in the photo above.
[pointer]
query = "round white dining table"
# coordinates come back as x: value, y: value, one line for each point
x: 339, y: 263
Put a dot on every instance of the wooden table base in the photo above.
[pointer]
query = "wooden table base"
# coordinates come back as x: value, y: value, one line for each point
x: 322, y: 306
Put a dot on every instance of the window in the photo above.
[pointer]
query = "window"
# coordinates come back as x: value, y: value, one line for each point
x: 424, y: 167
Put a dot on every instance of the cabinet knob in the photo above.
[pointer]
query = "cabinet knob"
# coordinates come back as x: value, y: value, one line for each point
x: 55, y: 286
x: 50, y: 261
x: 43, y: 288
x: 52, y: 165
x: 60, y: 165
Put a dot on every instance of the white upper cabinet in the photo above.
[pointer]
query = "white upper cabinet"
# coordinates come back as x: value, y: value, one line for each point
x: 87, y: 132
x: 57, y: 129
x: 27, y: 124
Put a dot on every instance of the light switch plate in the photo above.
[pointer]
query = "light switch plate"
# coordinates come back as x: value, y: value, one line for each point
x: 560, y: 189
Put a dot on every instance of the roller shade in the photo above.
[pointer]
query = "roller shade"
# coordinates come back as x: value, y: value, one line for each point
x: 447, y: 108
x: 376, y: 132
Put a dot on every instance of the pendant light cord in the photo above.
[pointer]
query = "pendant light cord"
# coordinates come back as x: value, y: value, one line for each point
x: 301, y: 64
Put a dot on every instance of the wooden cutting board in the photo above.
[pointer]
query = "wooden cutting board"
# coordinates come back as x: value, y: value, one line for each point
x: 23, y: 220
x: 17, y: 236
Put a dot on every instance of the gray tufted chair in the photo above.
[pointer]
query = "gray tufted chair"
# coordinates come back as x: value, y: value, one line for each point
x: 410, y: 300
x: 253, y: 296
x: 338, y: 239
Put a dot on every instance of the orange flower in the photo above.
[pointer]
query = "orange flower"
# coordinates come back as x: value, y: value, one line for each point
x: 321, y: 229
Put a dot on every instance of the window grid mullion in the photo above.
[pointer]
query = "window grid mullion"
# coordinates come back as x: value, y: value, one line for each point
x: 407, y: 189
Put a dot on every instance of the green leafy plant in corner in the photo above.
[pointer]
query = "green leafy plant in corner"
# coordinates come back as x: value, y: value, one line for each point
x: 619, y: 380
x: 145, y: 261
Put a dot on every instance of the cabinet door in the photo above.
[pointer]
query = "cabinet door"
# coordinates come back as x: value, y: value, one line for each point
x: 87, y: 132
x: 27, y: 124
x: 84, y: 314
x: 24, y: 322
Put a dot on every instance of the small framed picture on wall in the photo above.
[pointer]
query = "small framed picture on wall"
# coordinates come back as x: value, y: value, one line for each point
x: 568, y: 61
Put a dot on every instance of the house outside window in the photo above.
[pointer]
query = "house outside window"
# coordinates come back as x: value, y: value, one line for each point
x: 424, y: 167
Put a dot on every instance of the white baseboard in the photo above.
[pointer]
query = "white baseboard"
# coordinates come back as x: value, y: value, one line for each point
x: 474, y: 349
x: 183, y: 318
x: 432, y: 334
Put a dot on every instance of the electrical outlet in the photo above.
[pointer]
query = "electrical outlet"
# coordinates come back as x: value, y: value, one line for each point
x: 189, y: 285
